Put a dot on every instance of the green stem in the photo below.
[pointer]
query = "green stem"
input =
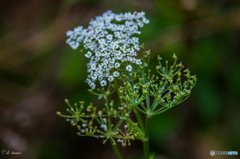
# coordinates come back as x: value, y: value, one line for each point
x: 146, y: 138
x: 116, y: 87
x: 139, y: 119
x: 115, y: 149
x: 109, y: 117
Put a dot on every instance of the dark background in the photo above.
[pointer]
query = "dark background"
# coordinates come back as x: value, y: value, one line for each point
x: 38, y: 71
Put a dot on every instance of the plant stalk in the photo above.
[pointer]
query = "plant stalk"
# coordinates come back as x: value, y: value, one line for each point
x: 146, y: 138
x: 115, y: 149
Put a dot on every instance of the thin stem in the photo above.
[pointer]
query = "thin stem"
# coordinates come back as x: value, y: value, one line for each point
x: 139, y: 119
x: 118, y: 124
x: 116, y: 87
x: 146, y: 138
x: 109, y: 117
x: 115, y: 149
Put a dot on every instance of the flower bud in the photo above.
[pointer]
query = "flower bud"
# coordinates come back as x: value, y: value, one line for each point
x: 158, y: 98
x: 90, y: 90
x: 169, y: 97
x: 145, y: 92
x: 177, y: 98
x: 179, y: 74
x: 134, y: 94
x: 191, y: 82
x: 59, y: 113
x: 195, y: 79
x: 128, y: 86
x: 121, y: 92
x: 159, y: 58
x: 174, y: 57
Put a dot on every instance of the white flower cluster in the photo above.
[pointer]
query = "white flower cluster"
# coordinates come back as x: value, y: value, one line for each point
x: 109, y: 41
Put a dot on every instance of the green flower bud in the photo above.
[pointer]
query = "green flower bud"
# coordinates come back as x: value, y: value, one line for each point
x: 194, y: 78
x: 59, y: 113
x: 121, y: 92
x: 145, y: 92
x: 169, y: 97
x: 177, y: 98
x: 179, y: 74
x: 187, y: 92
x: 90, y: 90
x: 128, y: 86
x: 174, y: 57
x: 134, y: 94
x: 191, y: 82
x: 158, y: 98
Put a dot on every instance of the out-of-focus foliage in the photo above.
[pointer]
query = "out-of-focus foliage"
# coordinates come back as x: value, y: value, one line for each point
x: 38, y: 71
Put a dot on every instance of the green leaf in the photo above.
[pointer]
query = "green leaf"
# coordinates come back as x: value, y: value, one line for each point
x: 137, y: 130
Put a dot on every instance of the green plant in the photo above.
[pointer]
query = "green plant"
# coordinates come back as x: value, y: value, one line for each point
x: 111, y: 45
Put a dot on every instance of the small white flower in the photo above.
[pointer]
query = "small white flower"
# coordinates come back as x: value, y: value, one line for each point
x: 112, y: 60
x: 103, y: 83
x: 69, y: 32
x: 93, y: 66
x: 111, y: 65
x: 92, y: 85
x: 104, y: 127
x: 88, y: 81
x: 105, y: 120
x: 117, y: 65
x: 82, y: 130
x: 109, y: 37
x: 98, y: 54
x: 88, y: 54
x: 136, y: 47
x: 110, y: 78
x: 129, y: 68
x: 100, y: 113
x: 145, y: 20
x: 74, y: 45
x: 115, y: 74
x: 139, y: 62
x: 94, y: 77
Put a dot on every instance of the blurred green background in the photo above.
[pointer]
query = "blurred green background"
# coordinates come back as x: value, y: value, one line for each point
x: 38, y: 71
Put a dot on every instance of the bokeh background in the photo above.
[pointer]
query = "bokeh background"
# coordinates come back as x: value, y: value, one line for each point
x: 38, y: 71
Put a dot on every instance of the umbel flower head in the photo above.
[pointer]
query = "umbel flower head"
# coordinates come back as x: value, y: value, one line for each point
x: 110, y: 41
